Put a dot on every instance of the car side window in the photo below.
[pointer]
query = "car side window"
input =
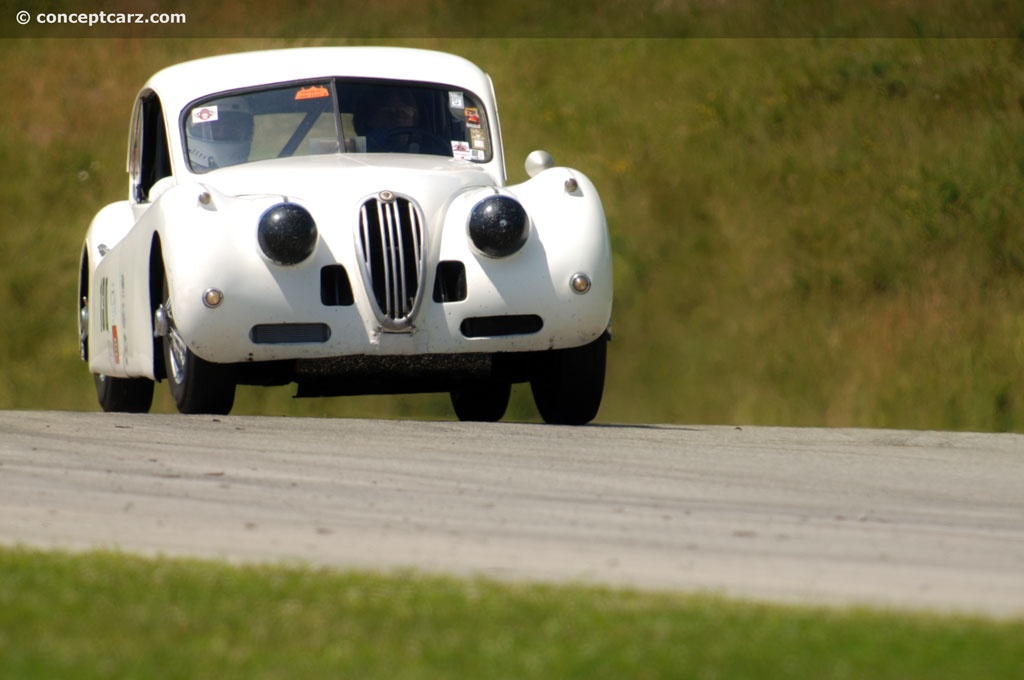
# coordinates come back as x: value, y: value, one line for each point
x: 150, y: 159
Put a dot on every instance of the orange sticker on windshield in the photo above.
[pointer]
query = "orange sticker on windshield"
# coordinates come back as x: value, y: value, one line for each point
x: 312, y: 92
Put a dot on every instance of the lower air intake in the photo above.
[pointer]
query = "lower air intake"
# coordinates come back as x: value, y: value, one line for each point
x: 496, y: 326
x: 290, y: 333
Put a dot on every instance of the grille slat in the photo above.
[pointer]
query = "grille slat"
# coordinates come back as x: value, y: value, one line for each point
x: 387, y: 257
x: 400, y: 253
x: 391, y: 241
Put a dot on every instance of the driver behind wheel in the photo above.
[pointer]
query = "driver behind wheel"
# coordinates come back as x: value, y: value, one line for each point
x: 386, y: 118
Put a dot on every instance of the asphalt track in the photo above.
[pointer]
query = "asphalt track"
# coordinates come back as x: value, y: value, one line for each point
x: 924, y: 520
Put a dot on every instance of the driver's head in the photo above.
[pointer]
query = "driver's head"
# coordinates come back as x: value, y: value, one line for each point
x: 394, y: 108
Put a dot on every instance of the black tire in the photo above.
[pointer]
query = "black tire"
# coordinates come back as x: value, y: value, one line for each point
x: 124, y: 395
x: 197, y: 385
x: 568, y: 384
x: 481, y: 402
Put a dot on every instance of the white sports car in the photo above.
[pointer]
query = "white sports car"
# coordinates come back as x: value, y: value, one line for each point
x: 340, y: 218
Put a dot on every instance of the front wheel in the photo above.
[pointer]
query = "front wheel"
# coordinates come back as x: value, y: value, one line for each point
x: 197, y: 385
x: 568, y: 384
x: 481, y: 402
x: 124, y: 395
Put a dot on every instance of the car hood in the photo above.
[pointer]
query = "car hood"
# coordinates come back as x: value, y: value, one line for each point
x: 337, y: 178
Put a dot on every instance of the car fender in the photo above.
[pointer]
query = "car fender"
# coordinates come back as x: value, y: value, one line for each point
x: 567, y: 212
x: 568, y: 235
x: 106, y: 289
x: 208, y: 240
x: 107, y: 229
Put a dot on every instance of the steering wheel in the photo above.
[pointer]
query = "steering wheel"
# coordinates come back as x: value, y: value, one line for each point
x: 403, y: 139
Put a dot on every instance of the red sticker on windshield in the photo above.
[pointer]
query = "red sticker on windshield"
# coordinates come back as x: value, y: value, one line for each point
x: 206, y: 114
x: 312, y: 92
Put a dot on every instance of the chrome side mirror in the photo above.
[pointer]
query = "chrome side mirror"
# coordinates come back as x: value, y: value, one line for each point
x: 537, y: 162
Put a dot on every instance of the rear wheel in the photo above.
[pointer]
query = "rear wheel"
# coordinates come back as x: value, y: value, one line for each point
x: 481, y: 402
x: 568, y: 384
x: 197, y: 385
x: 124, y: 395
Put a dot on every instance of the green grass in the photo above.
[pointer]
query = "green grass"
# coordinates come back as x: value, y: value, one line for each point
x: 807, y: 231
x: 103, y: 615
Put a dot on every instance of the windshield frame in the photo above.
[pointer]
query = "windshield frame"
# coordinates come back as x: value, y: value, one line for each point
x: 467, y: 112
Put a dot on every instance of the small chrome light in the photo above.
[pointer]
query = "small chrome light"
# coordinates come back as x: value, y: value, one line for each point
x: 580, y: 283
x: 537, y: 162
x: 205, y: 198
x: 212, y: 297
x: 571, y: 186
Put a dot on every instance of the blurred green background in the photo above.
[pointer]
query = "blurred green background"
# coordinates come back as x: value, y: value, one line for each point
x: 817, y: 218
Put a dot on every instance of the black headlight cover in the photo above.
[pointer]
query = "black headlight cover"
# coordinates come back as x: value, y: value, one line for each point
x: 498, y: 226
x: 287, y: 233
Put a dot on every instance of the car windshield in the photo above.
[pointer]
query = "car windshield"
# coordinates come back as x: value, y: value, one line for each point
x: 335, y: 116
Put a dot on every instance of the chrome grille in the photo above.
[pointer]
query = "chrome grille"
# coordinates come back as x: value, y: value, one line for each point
x: 391, y: 251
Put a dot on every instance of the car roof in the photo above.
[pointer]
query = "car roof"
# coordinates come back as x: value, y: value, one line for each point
x: 182, y: 83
